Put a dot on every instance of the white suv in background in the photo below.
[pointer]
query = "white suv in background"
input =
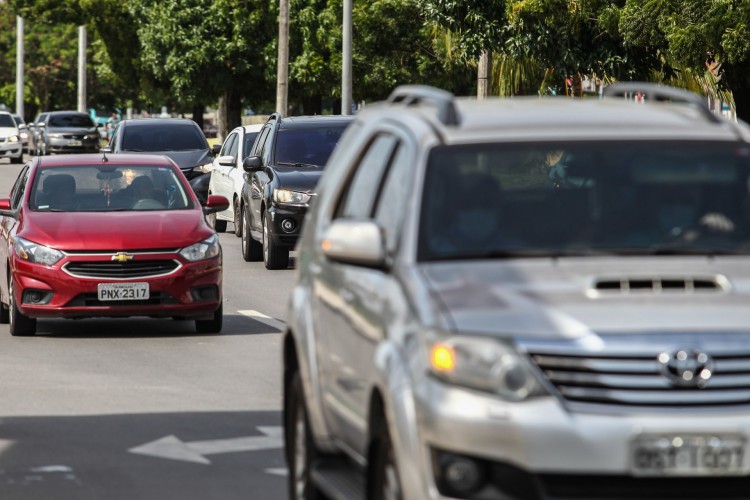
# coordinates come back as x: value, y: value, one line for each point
x: 10, y: 139
x: 525, y: 299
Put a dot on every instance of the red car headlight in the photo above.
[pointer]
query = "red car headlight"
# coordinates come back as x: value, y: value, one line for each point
x: 33, y: 252
x: 203, y: 250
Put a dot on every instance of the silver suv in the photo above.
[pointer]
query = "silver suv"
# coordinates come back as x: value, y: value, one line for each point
x: 525, y: 298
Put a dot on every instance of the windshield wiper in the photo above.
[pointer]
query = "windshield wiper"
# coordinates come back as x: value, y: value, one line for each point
x: 133, y: 150
x: 296, y: 164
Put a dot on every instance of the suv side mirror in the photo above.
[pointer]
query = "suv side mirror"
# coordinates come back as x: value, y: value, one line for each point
x: 252, y: 164
x: 355, y: 242
x: 216, y: 149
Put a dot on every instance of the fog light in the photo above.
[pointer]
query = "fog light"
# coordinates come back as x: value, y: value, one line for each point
x: 36, y: 297
x: 288, y: 225
x: 462, y: 475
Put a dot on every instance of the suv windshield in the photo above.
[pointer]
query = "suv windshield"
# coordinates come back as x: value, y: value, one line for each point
x: 71, y: 120
x: 553, y: 199
x: 307, y: 146
x: 166, y: 137
x: 7, y: 121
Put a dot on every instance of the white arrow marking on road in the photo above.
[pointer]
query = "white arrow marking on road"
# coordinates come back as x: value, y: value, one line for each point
x: 267, y: 320
x: 172, y: 448
x: 280, y: 471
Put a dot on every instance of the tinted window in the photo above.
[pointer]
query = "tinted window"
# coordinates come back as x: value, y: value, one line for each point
x: 247, y: 143
x: 310, y: 146
x: 163, y: 137
x: 19, y: 188
x: 7, y: 121
x: 227, y: 148
x: 395, y: 192
x: 19, y: 120
x: 71, y: 120
x: 581, y: 198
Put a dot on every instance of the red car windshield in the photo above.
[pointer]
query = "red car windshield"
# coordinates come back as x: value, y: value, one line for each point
x: 102, y: 188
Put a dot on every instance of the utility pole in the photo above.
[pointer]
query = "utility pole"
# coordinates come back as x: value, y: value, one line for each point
x: 282, y: 69
x: 346, y: 61
x: 483, y: 75
x: 82, y: 69
x: 19, y: 66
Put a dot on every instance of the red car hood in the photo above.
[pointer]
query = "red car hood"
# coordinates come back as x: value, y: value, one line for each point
x: 116, y: 231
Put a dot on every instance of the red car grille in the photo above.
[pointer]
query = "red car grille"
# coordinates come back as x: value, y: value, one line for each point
x: 121, y: 270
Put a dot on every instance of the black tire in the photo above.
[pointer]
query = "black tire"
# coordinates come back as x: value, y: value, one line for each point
x: 252, y: 251
x: 212, y: 325
x: 383, y: 479
x: 301, y: 451
x: 20, y: 325
x: 274, y: 256
x: 219, y: 225
x: 237, y: 218
x: 17, y: 160
x: 4, y: 314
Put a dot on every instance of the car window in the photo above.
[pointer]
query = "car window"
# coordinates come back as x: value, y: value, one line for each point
x: 163, y: 137
x: 227, y: 147
x: 586, y: 198
x: 16, y: 194
x: 247, y: 143
x: 71, y: 120
x: 7, y: 121
x: 308, y: 145
x: 41, y: 118
x: 394, y: 193
x: 234, y: 146
x: 102, y: 188
x: 359, y: 196
x: 260, y: 143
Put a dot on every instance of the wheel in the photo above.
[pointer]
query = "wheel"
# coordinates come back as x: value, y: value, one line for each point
x: 274, y: 257
x: 4, y: 314
x: 383, y: 478
x: 20, y: 325
x: 212, y: 325
x: 252, y: 251
x: 237, y: 221
x: 17, y: 160
x: 300, y: 447
x: 219, y: 225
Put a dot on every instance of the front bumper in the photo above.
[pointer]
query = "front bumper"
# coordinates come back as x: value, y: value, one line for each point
x: 539, y: 449
x: 10, y: 149
x: 57, y: 145
x: 281, y: 219
x: 190, y: 289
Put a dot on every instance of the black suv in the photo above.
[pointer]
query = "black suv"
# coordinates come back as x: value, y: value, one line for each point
x: 283, y: 168
x: 65, y: 132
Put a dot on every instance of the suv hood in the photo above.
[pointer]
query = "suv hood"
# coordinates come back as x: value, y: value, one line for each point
x: 8, y: 131
x: 303, y: 179
x: 185, y: 159
x: 559, y: 299
x: 116, y: 231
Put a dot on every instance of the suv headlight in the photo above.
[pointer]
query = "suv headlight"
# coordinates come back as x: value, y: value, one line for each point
x: 484, y: 364
x: 33, y: 252
x: 203, y: 250
x: 286, y: 196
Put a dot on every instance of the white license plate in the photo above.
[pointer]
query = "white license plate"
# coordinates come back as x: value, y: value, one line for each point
x: 688, y: 455
x: 123, y: 291
x: 75, y: 143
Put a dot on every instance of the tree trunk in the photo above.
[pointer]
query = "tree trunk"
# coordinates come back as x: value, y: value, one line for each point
x: 230, y: 113
x: 198, y: 110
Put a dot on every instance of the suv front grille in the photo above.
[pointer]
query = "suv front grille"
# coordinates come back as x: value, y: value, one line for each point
x: 121, y: 270
x: 626, y: 380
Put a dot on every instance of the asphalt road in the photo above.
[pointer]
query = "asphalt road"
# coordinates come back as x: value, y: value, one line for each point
x: 143, y: 409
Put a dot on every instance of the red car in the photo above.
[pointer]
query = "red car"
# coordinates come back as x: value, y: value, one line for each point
x: 107, y: 236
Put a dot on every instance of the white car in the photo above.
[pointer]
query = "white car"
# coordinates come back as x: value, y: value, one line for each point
x: 10, y: 139
x: 227, y: 175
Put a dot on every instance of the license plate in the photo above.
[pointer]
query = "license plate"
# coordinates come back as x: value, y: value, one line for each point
x: 75, y: 143
x: 123, y: 291
x: 688, y: 455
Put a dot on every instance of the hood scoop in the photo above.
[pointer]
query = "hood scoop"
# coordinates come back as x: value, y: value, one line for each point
x: 658, y: 285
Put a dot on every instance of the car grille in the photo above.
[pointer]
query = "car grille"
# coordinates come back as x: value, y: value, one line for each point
x: 121, y: 270
x: 641, y: 380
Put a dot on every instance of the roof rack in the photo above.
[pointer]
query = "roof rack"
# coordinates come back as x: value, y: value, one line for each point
x: 411, y: 95
x: 659, y: 92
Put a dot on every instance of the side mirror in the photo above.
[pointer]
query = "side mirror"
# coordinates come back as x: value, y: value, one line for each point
x: 215, y: 203
x: 216, y: 149
x: 227, y: 160
x: 359, y: 243
x: 252, y: 164
x: 5, y: 209
x: 41, y: 124
x: 106, y: 150
x: 22, y: 126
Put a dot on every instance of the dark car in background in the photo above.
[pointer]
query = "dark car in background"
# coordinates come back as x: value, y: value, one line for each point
x: 180, y: 139
x: 65, y: 132
x: 283, y: 169
x: 23, y: 132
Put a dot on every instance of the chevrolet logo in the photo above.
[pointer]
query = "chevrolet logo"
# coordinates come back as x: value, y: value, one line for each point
x: 122, y: 257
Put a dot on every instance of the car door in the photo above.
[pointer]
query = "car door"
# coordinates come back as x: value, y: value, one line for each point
x: 8, y: 226
x: 258, y: 180
x: 351, y: 304
x: 224, y: 185
x: 245, y: 142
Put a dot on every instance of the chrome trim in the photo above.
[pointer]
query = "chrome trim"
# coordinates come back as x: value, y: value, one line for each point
x: 111, y: 278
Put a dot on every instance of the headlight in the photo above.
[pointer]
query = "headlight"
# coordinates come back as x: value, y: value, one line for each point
x: 484, y: 364
x: 33, y: 252
x: 13, y: 138
x: 24, y: 135
x: 206, y: 249
x: 286, y: 196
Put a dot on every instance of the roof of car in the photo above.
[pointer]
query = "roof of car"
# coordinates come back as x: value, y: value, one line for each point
x: 98, y: 159
x: 304, y: 121
x: 158, y: 121
x: 65, y: 112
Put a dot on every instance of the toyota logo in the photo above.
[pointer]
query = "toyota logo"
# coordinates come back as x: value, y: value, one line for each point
x: 687, y: 368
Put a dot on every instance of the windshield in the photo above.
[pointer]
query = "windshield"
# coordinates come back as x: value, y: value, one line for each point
x: 308, y: 146
x: 164, y: 137
x: 103, y: 188
x: 7, y: 121
x: 71, y: 120
x: 585, y: 198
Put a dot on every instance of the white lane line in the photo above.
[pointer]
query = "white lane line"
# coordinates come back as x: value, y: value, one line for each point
x: 267, y: 320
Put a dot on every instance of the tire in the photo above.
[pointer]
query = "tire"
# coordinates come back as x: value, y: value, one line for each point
x: 212, y: 325
x: 17, y: 160
x: 252, y: 251
x: 274, y: 257
x: 383, y: 479
x: 301, y: 451
x: 219, y: 225
x: 20, y: 325
x: 237, y: 218
x: 4, y: 314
